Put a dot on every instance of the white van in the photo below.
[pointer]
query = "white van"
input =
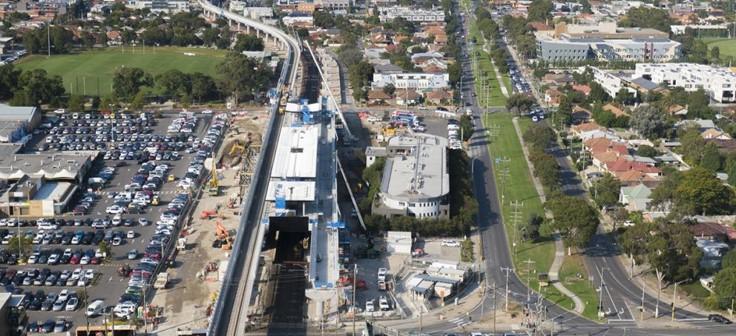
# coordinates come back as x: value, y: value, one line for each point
x: 95, y: 308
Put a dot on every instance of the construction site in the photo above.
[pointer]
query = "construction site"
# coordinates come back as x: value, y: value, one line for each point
x: 202, y: 259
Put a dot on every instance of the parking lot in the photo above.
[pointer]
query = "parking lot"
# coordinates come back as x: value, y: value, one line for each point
x: 139, y: 191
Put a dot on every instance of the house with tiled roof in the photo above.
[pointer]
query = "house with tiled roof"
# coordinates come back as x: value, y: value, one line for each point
x: 552, y: 96
x: 438, y: 97
x: 578, y: 130
x: 715, y: 133
x: 378, y: 97
x: 582, y: 88
x: 617, y: 111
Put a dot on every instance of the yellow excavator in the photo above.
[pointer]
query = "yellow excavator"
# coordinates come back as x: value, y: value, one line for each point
x: 236, y: 148
x: 213, y: 186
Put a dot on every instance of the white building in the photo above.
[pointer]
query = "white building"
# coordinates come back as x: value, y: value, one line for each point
x: 611, y: 83
x: 158, y: 6
x: 413, y: 80
x: 415, y: 179
x: 411, y: 14
x: 719, y: 83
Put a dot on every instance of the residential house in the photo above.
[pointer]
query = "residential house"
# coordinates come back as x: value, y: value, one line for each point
x: 582, y: 88
x: 114, y: 37
x: 677, y: 110
x: 407, y: 97
x: 635, y: 198
x: 578, y: 130
x: 552, y: 96
x: 617, y: 111
x: 438, y: 97
x: 604, y: 150
x: 714, y: 133
x: 580, y: 114
x: 634, y: 177
x: 378, y: 97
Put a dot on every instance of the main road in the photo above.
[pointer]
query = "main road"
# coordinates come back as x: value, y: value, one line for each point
x: 498, y: 257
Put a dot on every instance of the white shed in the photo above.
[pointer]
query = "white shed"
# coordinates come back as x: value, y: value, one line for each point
x: 399, y: 242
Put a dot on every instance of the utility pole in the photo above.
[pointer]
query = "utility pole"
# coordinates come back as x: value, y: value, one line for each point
x: 528, y: 263
x: 642, y: 300
x: 674, y: 301
x: 515, y: 218
x: 660, y: 277
x: 48, y: 38
x: 507, y: 270
x: 355, y: 289
x: 494, y: 308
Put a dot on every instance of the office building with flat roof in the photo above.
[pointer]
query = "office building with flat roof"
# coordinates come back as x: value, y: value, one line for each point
x: 719, y: 83
x: 605, y: 42
x: 415, y: 178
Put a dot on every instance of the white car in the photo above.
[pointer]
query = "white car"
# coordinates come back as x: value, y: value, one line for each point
x: 124, y: 309
x: 72, y: 304
x: 450, y: 243
x: 114, y: 210
x: 143, y: 222
x: 89, y: 274
x: 76, y: 274
x: 33, y: 258
x: 382, y: 274
x: 131, y: 234
x: 85, y: 260
x: 116, y: 242
x: 369, y: 306
x: 63, y: 295
x: 383, y: 303
x: 117, y: 220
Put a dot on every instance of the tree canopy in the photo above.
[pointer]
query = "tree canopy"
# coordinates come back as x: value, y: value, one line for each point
x: 128, y: 81
x: 694, y: 192
x: 576, y: 220
x: 649, y: 121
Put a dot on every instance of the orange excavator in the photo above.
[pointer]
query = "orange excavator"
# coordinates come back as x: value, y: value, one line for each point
x: 223, y: 236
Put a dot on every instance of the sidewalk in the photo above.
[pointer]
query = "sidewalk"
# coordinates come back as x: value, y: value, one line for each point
x: 554, y: 269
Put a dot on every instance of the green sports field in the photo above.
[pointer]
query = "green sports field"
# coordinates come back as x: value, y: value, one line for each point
x: 91, y: 72
x: 727, y: 46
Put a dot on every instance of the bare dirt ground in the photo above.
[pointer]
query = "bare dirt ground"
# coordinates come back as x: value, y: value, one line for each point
x: 193, y: 290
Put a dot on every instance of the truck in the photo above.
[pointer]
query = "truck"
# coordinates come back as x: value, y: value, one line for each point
x: 161, y: 280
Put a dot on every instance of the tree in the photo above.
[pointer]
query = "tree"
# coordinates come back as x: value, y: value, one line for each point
x: 625, y: 97
x: 540, y: 10
x: 138, y: 101
x: 323, y: 19
x: 105, y: 249
x: 586, y: 7
x: 646, y: 17
x: 691, y: 145
x: 539, y: 136
x: 9, y: 77
x: 76, y: 103
x: 244, y: 76
x: 673, y: 252
x: 711, y: 158
x: 389, y: 89
x: 694, y: 192
x: 248, y: 43
x: 635, y: 239
x: 649, y: 121
x: 647, y: 151
x: 466, y: 124
x: 697, y: 105
x: 360, y: 75
x: 520, y: 103
x: 606, y: 191
x: 729, y: 260
x: 715, y: 53
x: 563, y: 115
x: 128, y: 81
x: 203, y: 87
x: 574, y: 218
x: 22, y: 243
x: 173, y: 83
x: 597, y: 94
x: 724, y: 287
x: 36, y: 87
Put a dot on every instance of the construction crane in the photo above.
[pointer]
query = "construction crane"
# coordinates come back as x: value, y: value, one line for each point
x: 213, y: 187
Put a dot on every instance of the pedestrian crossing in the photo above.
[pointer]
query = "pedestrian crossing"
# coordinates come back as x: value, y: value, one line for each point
x: 460, y: 321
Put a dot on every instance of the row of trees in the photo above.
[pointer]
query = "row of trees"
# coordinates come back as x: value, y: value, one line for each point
x: 538, y: 138
x: 666, y: 246
x: 243, y: 77
x: 573, y: 217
